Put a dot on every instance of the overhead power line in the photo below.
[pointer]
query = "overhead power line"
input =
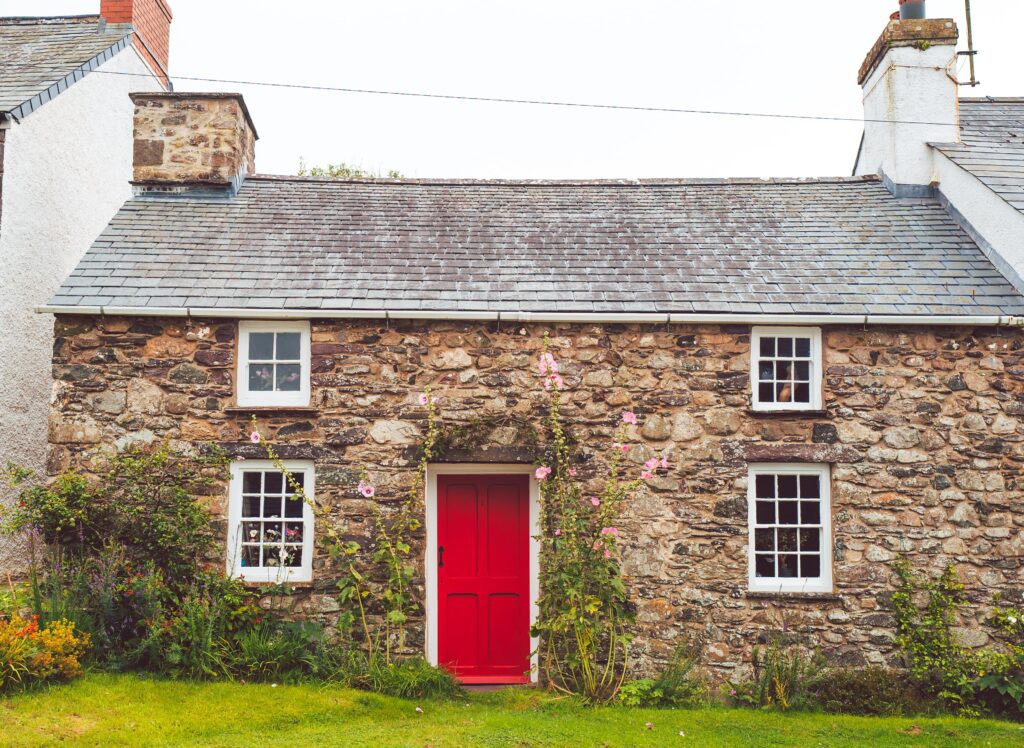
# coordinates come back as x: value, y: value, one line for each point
x: 531, y: 102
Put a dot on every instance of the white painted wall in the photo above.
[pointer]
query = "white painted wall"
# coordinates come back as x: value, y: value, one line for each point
x: 909, y: 85
x: 66, y: 171
x: 999, y: 224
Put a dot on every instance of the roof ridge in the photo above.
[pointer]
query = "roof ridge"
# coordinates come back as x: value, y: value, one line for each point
x: 32, y: 20
x: 641, y: 182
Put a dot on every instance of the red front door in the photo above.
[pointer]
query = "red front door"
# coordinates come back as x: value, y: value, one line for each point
x: 483, y: 577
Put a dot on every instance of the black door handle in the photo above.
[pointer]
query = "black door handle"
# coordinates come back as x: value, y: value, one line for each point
x: 440, y: 556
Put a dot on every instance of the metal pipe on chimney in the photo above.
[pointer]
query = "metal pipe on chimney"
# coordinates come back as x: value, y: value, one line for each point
x: 912, y: 9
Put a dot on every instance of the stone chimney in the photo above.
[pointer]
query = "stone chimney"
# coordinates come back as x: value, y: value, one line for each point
x: 187, y: 141
x: 908, y: 77
x: 151, y: 20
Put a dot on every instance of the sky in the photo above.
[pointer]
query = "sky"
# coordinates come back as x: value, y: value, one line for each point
x: 786, y: 56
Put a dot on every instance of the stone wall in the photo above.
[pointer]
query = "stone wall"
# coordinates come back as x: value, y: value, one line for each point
x: 923, y: 428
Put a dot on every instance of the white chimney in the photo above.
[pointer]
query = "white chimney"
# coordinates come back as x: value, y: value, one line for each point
x: 909, y: 78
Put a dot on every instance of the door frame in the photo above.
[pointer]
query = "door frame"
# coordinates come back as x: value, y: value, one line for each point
x: 430, y: 556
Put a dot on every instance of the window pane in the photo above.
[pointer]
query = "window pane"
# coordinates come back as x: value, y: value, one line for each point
x: 272, y: 555
x: 272, y: 506
x: 293, y: 506
x: 251, y: 506
x: 293, y: 532
x: 766, y: 393
x: 250, y: 555
x: 261, y: 346
x: 785, y: 346
x: 299, y: 478
x: 765, y: 511
x: 810, y: 540
x: 764, y: 540
x: 768, y: 347
x: 809, y: 487
x: 289, y: 377
x: 802, y: 393
x: 782, y: 370
x: 764, y: 486
x: 787, y: 486
x: 783, y: 392
x: 288, y: 346
x: 272, y: 532
x: 787, y: 513
x: 274, y: 483
x: 764, y: 565
x: 293, y: 555
x: 787, y: 540
x: 802, y: 371
x: 250, y: 532
x: 765, y: 371
x: 810, y: 566
x: 810, y: 513
x: 251, y: 482
x: 803, y: 347
x: 261, y: 377
x: 788, y: 565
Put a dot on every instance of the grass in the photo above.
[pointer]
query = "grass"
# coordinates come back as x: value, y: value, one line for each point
x: 113, y: 710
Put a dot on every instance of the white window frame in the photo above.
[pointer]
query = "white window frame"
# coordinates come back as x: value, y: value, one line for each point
x: 791, y: 584
x: 816, y: 366
x: 247, y: 397
x: 270, y: 574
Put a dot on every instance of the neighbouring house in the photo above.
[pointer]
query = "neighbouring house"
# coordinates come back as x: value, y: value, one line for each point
x: 835, y: 367
x: 65, y: 163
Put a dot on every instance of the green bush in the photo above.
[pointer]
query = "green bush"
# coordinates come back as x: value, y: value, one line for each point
x: 871, y: 690
x: 273, y: 650
x: 680, y: 684
x: 781, y: 679
x: 413, y: 678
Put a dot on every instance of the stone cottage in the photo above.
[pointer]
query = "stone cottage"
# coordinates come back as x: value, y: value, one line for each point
x: 834, y: 367
x: 65, y: 164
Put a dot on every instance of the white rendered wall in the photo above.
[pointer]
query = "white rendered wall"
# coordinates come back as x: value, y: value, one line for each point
x: 66, y: 171
x: 909, y: 85
x: 999, y: 224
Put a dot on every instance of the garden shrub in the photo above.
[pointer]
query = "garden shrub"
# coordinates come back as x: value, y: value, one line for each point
x: 782, y: 679
x: 680, y: 684
x: 871, y: 690
x: 276, y: 650
x: 30, y: 654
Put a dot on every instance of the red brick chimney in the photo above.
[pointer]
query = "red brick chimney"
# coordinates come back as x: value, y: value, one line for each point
x: 152, y: 22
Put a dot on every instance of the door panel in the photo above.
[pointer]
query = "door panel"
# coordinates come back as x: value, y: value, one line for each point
x: 484, y: 577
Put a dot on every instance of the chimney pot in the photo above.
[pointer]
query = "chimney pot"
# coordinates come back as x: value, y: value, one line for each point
x: 912, y: 10
x: 192, y: 140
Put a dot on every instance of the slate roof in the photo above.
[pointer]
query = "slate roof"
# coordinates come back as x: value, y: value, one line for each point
x: 40, y: 57
x: 829, y: 246
x: 992, y: 145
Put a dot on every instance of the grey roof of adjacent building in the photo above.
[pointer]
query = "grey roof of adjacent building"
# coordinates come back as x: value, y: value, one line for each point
x: 992, y: 145
x: 827, y: 246
x: 41, y: 57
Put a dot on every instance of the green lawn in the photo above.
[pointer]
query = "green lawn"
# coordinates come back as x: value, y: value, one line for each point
x: 125, y: 710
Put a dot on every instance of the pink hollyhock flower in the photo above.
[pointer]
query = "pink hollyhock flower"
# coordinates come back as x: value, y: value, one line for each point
x: 557, y: 381
x: 732, y: 691
x: 542, y: 473
x: 254, y: 437
x: 609, y: 531
x: 651, y: 463
x: 366, y: 489
x: 572, y: 472
x: 597, y: 544
x: 423, y: 399
x: 629, y: 417
x: 625, y: 447
x: 547, y: 364
x: 607, y: 553
x: 646, y: 475
x: 558, y: 531
x: 664, y: 463
x: 595, y: 501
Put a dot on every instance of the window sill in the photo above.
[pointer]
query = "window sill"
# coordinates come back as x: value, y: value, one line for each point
x: 256, y: 584
x: 809, y: 596
x: 246, y: 410
x: 787, y: 413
